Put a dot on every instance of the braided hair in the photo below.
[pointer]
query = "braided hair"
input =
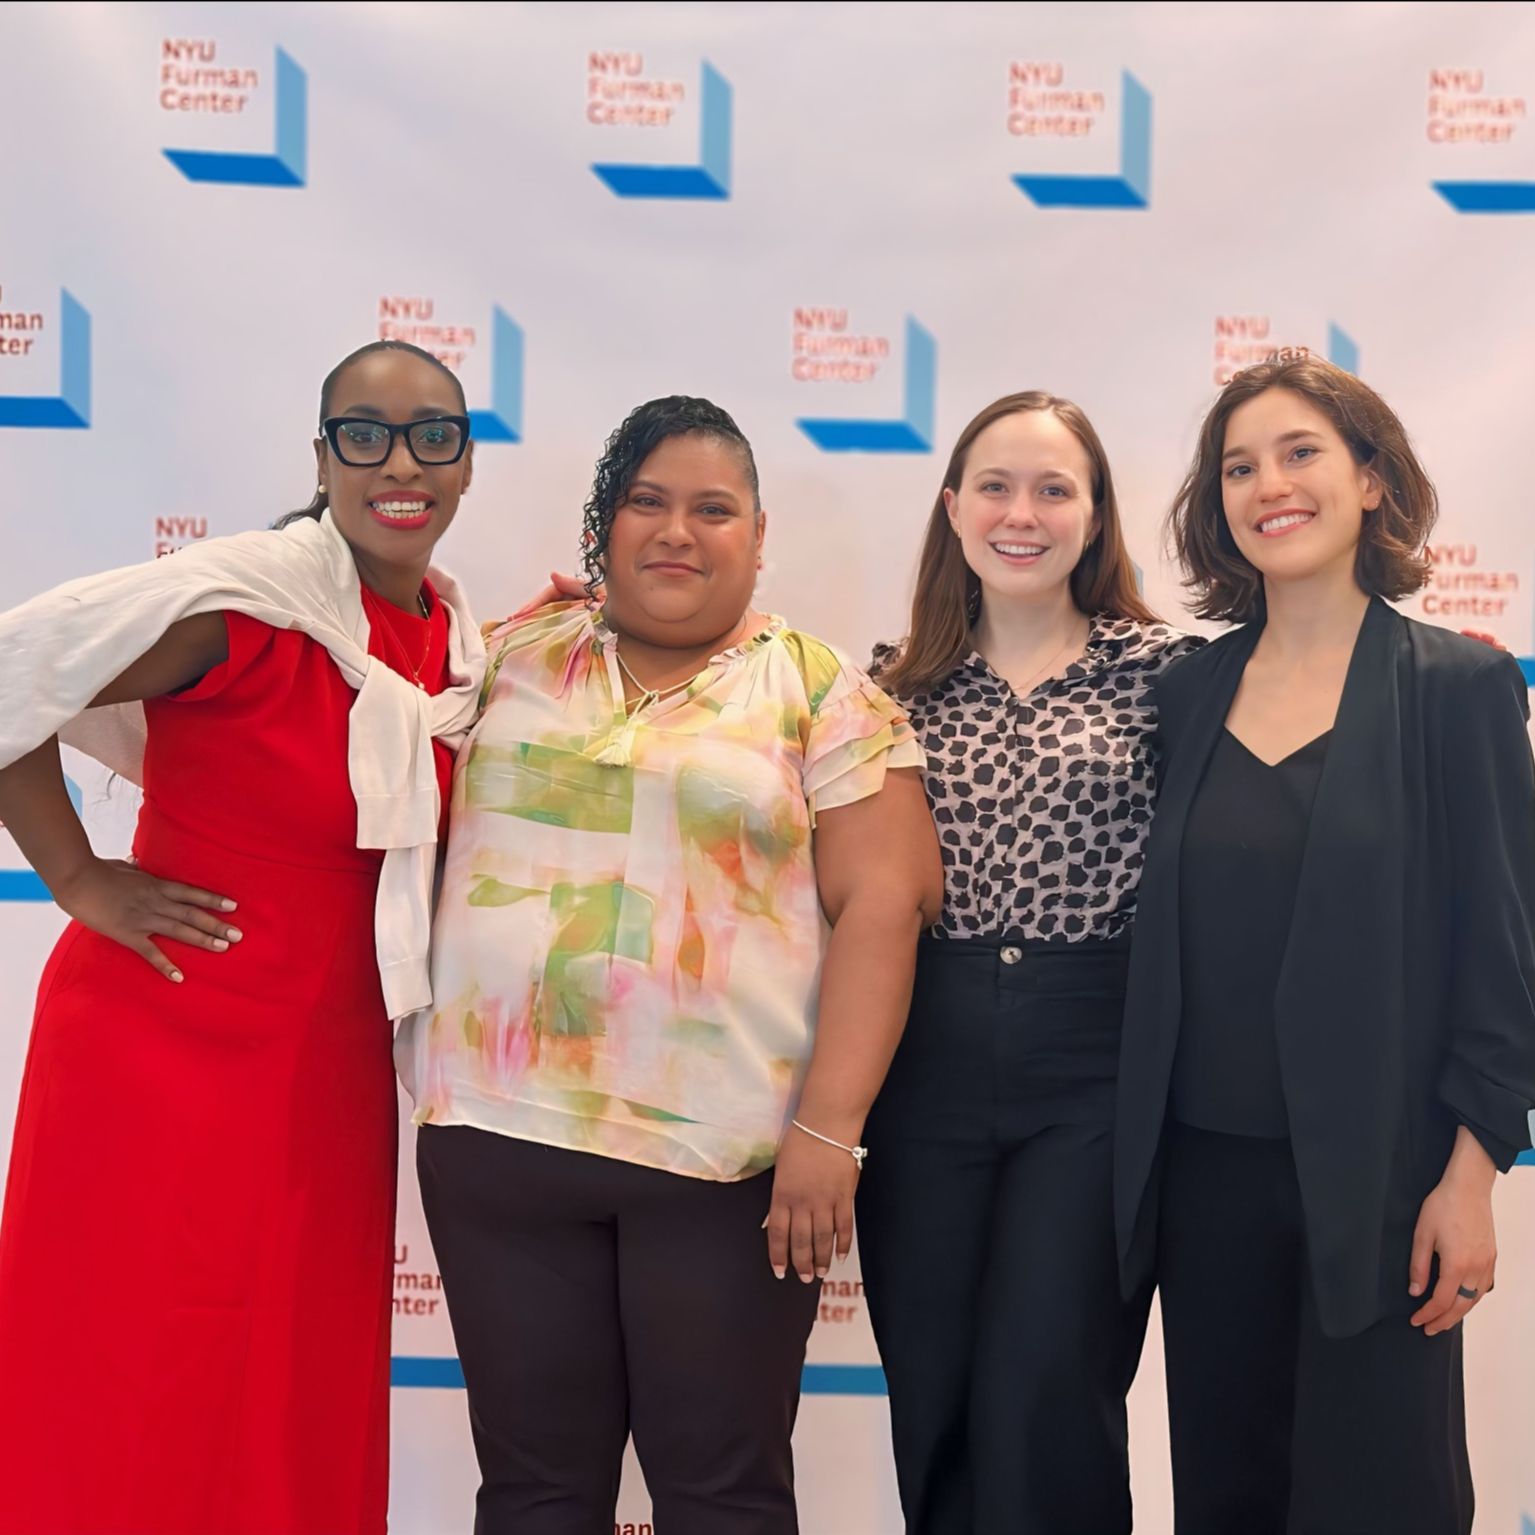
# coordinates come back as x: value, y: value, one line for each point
x: 642, y: 431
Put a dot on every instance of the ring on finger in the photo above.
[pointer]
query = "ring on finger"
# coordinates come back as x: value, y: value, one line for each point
x: 1466, y: 1294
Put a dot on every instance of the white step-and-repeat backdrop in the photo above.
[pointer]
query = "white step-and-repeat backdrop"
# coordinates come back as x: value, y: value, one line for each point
x: 852, y: 225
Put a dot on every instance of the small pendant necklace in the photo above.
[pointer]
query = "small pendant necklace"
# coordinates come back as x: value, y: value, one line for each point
x: 650, y: 695
x: 382, y: 620
x: 1023, y: 689
x: 619, y: 752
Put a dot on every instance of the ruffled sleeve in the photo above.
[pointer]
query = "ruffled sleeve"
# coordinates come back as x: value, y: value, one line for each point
x: 856, y: 734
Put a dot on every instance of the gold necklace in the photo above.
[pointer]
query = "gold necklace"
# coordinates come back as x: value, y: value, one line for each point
x: 1044, y: 671
x: 399, y: 644
x: 648, y: 694
x: 619, y: 752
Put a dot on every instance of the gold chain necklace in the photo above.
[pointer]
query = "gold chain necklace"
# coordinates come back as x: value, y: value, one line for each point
x: 382, y: 619
x: 650, y: 695
x: 619, y: 752
x: 1044, y: 671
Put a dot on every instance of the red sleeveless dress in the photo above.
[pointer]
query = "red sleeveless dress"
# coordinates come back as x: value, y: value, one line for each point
x: 196, y: 1249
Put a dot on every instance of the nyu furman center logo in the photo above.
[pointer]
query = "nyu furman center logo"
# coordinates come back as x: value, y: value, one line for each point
x: 193, y: 80
x: 1042, y: 104
x: 1461, y: 115
x: 825, y: 352
x: 621, y: 95
x: 1242, y: 340
x: 21, y: 332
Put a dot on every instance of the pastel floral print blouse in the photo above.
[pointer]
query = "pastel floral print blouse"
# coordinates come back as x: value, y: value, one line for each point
x: 628, y: 940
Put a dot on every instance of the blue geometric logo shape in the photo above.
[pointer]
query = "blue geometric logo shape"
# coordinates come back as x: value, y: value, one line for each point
x: 710, y: 178
x: 502, y: 422
x: 1526, y: 1525
x: 445, y: 1373
x: 913, y: 433
x: 71, y: 406
x: 1131, y: 188
x: 1487, y: 196
x: 287, y: 167
x: 1342, y: 349
x: 22, y: 885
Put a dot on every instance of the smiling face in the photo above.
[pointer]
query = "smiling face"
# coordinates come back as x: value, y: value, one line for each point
x: 1295, y: 499
x: 393, y: 513
x: 1024, y: 506
x: 682, y: 553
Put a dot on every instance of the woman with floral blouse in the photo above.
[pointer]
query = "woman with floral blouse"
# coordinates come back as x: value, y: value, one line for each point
x: 689, y: 861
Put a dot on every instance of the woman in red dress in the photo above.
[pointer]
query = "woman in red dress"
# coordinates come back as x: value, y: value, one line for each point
x: 195, y: 1256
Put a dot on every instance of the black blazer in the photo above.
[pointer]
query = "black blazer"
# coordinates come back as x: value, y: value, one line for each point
x: 1406, y: 1001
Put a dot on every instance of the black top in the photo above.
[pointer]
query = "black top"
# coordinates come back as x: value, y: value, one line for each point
x: 1405, y: 1004
x: 1241, y: 860
x: 1043, y: 800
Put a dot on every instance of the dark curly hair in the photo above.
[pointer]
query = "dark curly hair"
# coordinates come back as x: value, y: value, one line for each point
x: 642, y: 431
x: 328, y: 389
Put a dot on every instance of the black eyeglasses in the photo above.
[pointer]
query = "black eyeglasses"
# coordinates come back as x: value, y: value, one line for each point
x: 365, y: 443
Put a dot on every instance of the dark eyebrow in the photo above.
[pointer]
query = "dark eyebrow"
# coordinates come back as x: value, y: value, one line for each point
x: 1301, y: 431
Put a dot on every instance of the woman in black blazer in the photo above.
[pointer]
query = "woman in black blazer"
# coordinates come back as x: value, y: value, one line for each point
x: 1329, y: 1042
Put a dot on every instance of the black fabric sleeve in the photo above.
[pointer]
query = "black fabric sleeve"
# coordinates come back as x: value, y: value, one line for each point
x: 1488, y: 1075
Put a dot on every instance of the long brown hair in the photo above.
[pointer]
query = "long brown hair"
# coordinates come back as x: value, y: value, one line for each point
x: 1390, y: 561
x: 948, y: 592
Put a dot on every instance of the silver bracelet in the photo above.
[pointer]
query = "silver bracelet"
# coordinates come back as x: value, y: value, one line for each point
x: 857, y: 1153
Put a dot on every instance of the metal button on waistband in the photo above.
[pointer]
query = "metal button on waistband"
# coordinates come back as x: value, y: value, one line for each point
x: 1011, y: 955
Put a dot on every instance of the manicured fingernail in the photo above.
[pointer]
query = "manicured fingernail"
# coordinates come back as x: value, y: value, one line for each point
x: 176, y: 975
x: 220, y: 945
x: 764, y: 1223
x: 227, y: 905
x: 233, y: 934
x: 1414, y: 1289
x: 778, y: 1269
x: 807, y: 1278
x: 820, y: 1273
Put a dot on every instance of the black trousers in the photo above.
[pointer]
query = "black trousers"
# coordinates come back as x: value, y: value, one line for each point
x: 591, y: 1299
x: 1276, y: 1428
x: 985, y: 1227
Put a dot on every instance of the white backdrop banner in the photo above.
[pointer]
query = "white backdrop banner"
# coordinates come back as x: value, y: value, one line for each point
x: 850, y: 224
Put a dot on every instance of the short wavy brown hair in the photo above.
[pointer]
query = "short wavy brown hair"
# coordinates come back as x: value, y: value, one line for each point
x: 1391, y: 561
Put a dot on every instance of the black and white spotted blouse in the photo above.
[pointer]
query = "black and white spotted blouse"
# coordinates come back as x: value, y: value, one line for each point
x: 1043, y: 802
